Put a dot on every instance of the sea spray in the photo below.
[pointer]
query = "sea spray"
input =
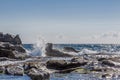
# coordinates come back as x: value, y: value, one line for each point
x: 39, y: 48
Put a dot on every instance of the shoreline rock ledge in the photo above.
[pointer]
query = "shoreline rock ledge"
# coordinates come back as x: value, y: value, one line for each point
x: 11, y: 46
x: 15, y: 61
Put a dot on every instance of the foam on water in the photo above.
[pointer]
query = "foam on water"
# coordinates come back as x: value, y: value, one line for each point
x: 39, y: 48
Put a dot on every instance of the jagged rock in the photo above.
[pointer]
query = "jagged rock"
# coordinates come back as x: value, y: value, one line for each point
x: 55, y: 52
x: 36, y: 74
x: 20, y: 48
x: 10, y: 38
x: 17, y: 40
x: 15, y: 70
x: 11, y: 46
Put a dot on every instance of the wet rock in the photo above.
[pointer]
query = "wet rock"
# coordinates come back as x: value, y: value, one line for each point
x: 20, y: 48
x: 108, y: 62
x: 2, y: 69
x: 82, y: 71
x: 15, y: 70
x: 79, y: 59
x: 109, y: 76
x: 56, y: 64
x: 62, y: 64
x: 36, y: 74
x: 54, y: 52
x: 70, y: 49
x: 30, y: 65
x: 17, y: 40
x: 7, y: 53
x: 11, y: 46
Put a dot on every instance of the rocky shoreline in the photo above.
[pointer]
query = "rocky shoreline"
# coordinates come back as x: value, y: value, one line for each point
x: 14, y: 60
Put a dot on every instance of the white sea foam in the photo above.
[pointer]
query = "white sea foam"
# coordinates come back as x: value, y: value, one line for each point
x: 87, y: 51
x: 39, y: 47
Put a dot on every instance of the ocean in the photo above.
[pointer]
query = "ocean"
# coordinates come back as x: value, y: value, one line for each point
x: 36, y: 50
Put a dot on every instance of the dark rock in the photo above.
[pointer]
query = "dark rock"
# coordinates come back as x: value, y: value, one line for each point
x: 36, y: 74
x: 70, y: 49
x: 107, y: 76
x: 101, y: 59
x: 54, y: 52
x: 15, y: 70
x: 8, y: 38
x: 20, y: 48
x: 7, y: 53
x: 108, y: 62
x: 62, y: 64
x: 11, y: 46
x: 17, y: 40
x: 2, y: 69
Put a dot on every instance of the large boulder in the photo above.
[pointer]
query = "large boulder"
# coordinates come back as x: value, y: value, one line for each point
x: 11, y: 46
x: 15, y: 70
x: 36, y: 74
x: 12, y: 51
x: 7, y: 53
x: 63, y: 64
x: 111, y: 63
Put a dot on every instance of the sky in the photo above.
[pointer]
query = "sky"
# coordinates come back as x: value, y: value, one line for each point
x: 62, y: 21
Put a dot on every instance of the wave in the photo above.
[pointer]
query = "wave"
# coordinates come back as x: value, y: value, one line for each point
x: 38, y: 48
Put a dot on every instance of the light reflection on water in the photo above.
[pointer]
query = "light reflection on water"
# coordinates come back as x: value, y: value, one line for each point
x: 75, y: 76
x: 9, y: 77
x: 56, y: 76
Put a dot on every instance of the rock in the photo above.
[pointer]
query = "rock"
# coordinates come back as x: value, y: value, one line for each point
x: 29, y: 65
x: 7, y: 53
x: 15, y: 70
x: 111, y: 63
x: 56, y: 64
x: 54, y: 52
x: 79, y: 59
x: 20, y: 48
x: 70, y: 49
x: 108, y: 62
x: 7, y: 45
x: 8, y: 38
x: 11, y: 46
x: 2, y: 69
x: 107, y: 76
x: 36, y: 74
x: 82, y: 71
x: 17, y: 40
x: 62, y: 64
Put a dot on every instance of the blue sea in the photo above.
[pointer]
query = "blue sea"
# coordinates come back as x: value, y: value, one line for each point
x: 83, y: 48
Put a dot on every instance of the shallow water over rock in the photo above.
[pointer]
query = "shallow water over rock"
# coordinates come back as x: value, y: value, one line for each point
x: 9, y: 77
x: 76, y: 76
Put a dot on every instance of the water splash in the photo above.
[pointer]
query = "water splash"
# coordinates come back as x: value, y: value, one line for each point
x: 39, y: 48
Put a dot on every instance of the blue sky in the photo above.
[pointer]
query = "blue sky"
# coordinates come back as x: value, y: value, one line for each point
x: 62, y: 21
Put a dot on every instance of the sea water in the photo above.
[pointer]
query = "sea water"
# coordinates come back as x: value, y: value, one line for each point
x: 35, y: 50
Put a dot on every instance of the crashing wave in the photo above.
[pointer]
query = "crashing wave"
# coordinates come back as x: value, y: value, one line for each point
x: 39, y: 48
